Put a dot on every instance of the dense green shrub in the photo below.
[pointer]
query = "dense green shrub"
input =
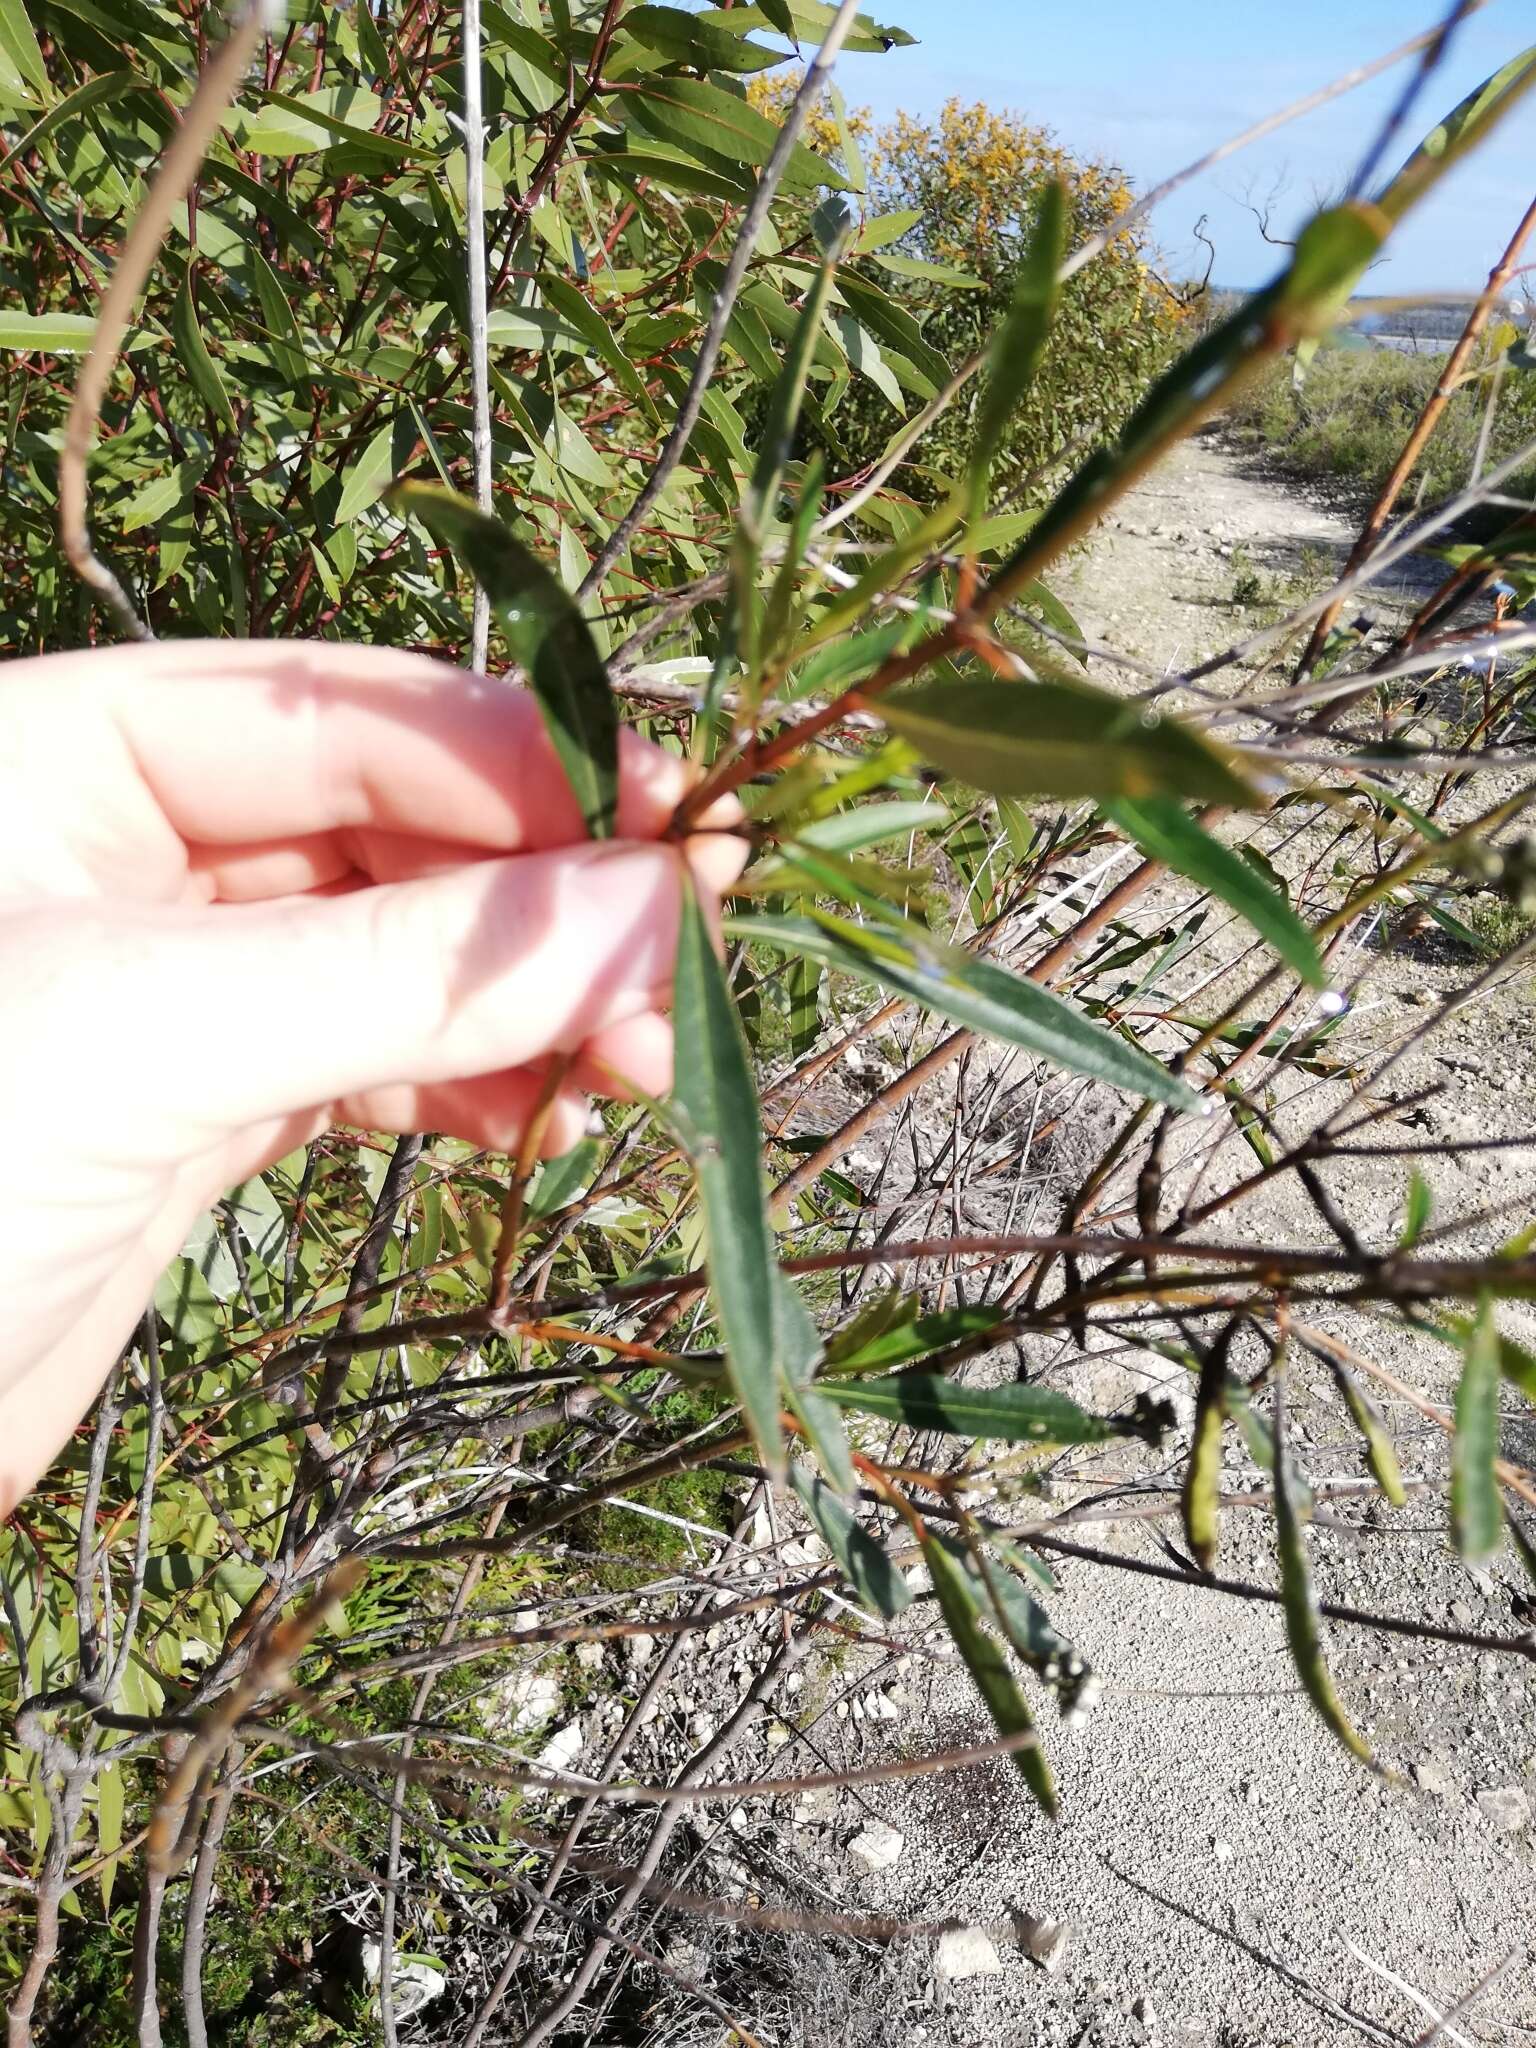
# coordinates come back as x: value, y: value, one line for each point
x: 1355, y: 408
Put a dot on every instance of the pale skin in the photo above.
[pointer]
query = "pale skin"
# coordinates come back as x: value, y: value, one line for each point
x: 251, y: 890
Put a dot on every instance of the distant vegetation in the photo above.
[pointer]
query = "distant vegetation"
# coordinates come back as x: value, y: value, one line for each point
x: 1354, y: 409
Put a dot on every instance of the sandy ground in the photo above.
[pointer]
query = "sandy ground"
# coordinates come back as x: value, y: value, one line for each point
x: 1226, y: 1869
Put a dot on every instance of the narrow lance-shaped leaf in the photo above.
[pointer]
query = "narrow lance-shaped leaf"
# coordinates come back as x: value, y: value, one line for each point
x: 1477, y: 1508
x: 1030, y: 1631
x: 973, y: 992
x: 1201, y: 1498
x: 1162, y: 828
x: 1380, y: 1452
x: 192, y: 352
x: 1301, y: 1616
x: 715, y: 1094
x: 798, y: 1348
x: 1013, y: 1413
x: 1057, y: 739
x: 1417, y: 1211
x: 1468, y: 124
x: 1020, y: 342
x: 960, y: 1595
x: 894, y: 1333
x: 547, y: 637
x: 861, y: 1560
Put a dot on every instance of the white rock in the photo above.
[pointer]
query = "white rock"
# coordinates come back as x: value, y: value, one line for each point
x: 880, y: 1706
x: 1505, y: 1807
x: 533, y: 1698
x: 967, y: 1952
x: 1223, y: 1851
x: 639, y: 1649
x: 876, y: 1846
x: 590, y: 1656
x: 1430, y: 1775
x: 562, y: 1749
x: 413, y: 1984
x: 1045, y: 1943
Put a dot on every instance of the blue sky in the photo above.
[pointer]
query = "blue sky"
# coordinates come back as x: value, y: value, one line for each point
x: 1150, y: 84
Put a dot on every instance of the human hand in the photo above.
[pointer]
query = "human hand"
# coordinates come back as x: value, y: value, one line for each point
x: 251, y: 889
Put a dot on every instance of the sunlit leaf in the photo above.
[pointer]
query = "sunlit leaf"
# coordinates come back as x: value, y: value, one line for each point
x: 1380, y: 1452
x: 1013, y: 1413
x: 1477, y: 1507
x: 1057, y: 739
x: 715, y: 1092
x: 1162, y: 828
x: 974, y: 992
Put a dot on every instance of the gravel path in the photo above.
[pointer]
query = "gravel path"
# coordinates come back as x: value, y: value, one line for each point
x: 1224, y: 1867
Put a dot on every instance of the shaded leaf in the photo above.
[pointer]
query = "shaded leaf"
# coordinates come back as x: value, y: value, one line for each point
x: 1302, y: 1624
x: 1020, y: 341
x: 547, y: 637
x: 960, y: 1596
x: 859, y: 1557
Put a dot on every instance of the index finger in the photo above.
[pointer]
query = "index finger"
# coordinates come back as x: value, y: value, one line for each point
x: 236, y: 742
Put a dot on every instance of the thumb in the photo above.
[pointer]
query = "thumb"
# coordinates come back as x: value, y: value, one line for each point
x: 485, y: 967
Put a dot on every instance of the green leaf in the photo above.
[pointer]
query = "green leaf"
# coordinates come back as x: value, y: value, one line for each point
x: 715, y: 1094
x: 1020, y: 341
x: 974, y: 992
x: 187, y: 1304
x: 1057, y: 739
x: 365, y: 480
x: 1380, y: 1452
x: 109, y: 1827
x: 559, y: 1181
x: 579, y: 313
x: 693, y: 115
x: 1162, y: 828
x: 1417, y: 1210
x: 548, y: 638
x: 798, y: 1351
x: 1014, y: 1414
x: 870, y: 825
x: 159, y: 499
x: 1302, y: 1626
x: 1331, y: 253
x: 192, y: 351
x: 19, y: 47
x: 892, y: 1332
x: 1201, y: 1497
x: 1477, y: 1508
x: 960, y: 1602
x: 1028, y: 1629
x: 934, y: 273
x: 811, y: 19
x: 1468, y: 124
x: 96, y: 92
x: 802, y: 980
x: 59, y: 334
x: 688, y: 39
x: 861, y: 1560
